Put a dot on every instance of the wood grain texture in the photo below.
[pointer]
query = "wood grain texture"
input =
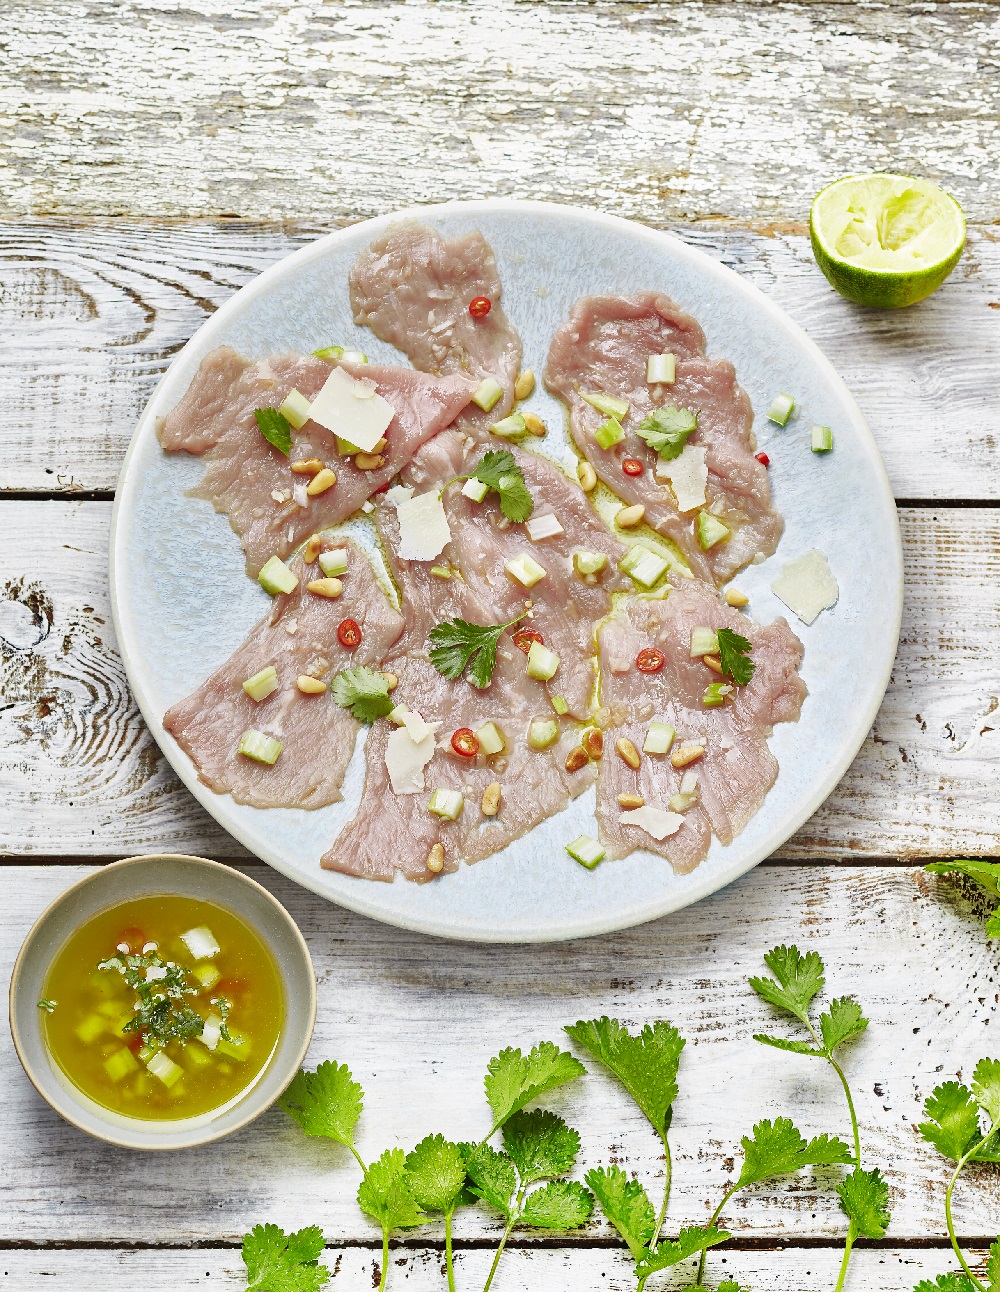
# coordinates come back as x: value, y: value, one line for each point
x: 343, y: 108
x: 91, y: 316
x: 417, y: 1020
x: 419, y: 1270
x: 79, y: 774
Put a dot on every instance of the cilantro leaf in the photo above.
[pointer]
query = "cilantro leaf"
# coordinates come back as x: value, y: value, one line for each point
x: 326, y: 1102
x: 499, y: 470
x: 456, y: 642
x: 799, y: 980
x: 513, y: 1080
x: 280, y: 1262
x: 671, y: 1251
x: 947, y: 1283
x: 733, y: 651
x: 794, y: 1047
x: 986, y: 1089
x: 666, y: 430
x: 843, y: 1021
x: 560, y: 1204
x: 494, y: 1179
x: 985, y: 873
x: 626, y: 1204
x: 993, y: 1266
x: 646, y: 1064
x: 953, y: 1120
x: 540, y: 1145
x: 778, y: 1148
x: 864, y: 1199
x: 385, y: 1194
x: 275, y: 428
x: 364, y: 692
x: 435, y: 1171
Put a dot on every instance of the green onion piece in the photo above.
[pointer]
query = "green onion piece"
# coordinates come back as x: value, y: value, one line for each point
x: 542, y: 662
x: 261, y: 685
x: 643, y: 565
x: 609, y: 433
x: 447, y: 804
x: 513, y: 425
x: 276, y: 577
x: 491, y: 739
x: 441, y: 571
x: 261, y: 748
x: 354, y: 356
x: 294, y: 408
x: 559, y: 704
x: 661, y: 369
x: 586, y: 563
x: 333, y: 563
x: 334, y: 352
x: 587, y: 851
x: 710, y: 530
x: 715, y: 695
x: 822, y: 439
x: 475, y: 489
x: 606, y: 404
x: 489, y: 393
x: 166, y: 1069
x: 704, y: 641
x: 542, y: 732
x: 781, y: 409
x: 526, y: 570
x: 660, y: 737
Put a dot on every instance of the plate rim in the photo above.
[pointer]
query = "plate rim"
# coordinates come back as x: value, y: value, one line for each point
x: 721, y: 876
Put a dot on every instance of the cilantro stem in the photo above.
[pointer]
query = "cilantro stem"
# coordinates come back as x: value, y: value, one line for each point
x: 668, y: 1172
x: 385, y: 1258
x: 711, y: 1224
x: 496, y: 1258
x: 947, y: 1209
x: 448, y: 1259
x: 848, y: 1245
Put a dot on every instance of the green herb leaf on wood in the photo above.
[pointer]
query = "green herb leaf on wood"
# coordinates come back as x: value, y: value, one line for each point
x: 326, y: 1102
x: 645, y: 1064
x: 540, y: 1145
x: 514, y: 1080
x: 864, y: 1199
x: 280, y: 1262
x: 626, y: 1204
x: 778, y: 1148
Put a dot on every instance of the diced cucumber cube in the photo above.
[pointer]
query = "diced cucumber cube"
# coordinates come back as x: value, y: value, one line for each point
x: 609, y: 405
x: 710, y: 530
x: 295, y: 409
x: 782, y: 407
x: 542, y: 662
x: 276, y: 577
x: 822, y: 439
x: 475, y: 489
x: 609, y: 433
x: 447, y: 804
x: 261, y: 748
x: 488, y: 394
x: 512, y: 425
x: 333, y: 563
x: 643, y: 565
x: 587, y: 851
x: 660, y: 737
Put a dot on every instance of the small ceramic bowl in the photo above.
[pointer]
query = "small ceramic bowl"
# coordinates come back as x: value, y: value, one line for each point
x: 142, y: 877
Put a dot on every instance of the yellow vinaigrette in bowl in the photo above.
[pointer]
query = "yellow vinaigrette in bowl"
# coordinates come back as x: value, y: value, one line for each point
x: 162, y: 1008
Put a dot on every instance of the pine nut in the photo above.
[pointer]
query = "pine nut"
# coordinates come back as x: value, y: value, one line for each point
x: 628, y: 753
x: 330, y: 588
x: 686, y: 754
x: 369, y: 461
x: 491, y: 799
x: 631, y: 801
x: 391, y: 681
x: 577, y: 758
x: 307, y: 467
x: 311, y: 549
x: 525, y: 385
x: 380, y: 445
x: 534, y: 425
x: 734, y: 597
x: 713, y: 663
x: 593, y: 742
x: 320, y: 482
x: 309, y: 685
x: 435, y: 859
x: 587, y: 477
x: 629, y: 517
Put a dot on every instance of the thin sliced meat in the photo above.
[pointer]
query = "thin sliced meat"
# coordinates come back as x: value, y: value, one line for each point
x: 564, y: 607
x: 252, y: 482
x: 603, y: 347
x: 737, y: 769
x: 298, y: 636
x: 413, y: 289
x: 394, y: 833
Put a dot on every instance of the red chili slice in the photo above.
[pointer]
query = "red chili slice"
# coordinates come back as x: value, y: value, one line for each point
x: 763, y: 459
x: 650, y: 660
x: 349, y: 634
x: 525, y: 636
x: 464, y: 742
x: 480, y: 307
x: 632, y: 466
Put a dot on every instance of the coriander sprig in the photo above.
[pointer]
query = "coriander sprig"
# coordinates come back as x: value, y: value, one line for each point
x: 984, y: 873
x: 501, y: 474
x: 456, y: 644
x: 666, y: 430
x: 280, y: 1262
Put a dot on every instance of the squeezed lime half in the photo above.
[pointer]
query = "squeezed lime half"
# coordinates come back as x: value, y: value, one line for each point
x: 886, y: 240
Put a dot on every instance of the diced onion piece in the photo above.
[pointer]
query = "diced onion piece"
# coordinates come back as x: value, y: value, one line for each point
x: 715, y: 695
x: 475, y: 489
x: 807, y: 586
x: 822, y: 439
x: 201, y: 942
x: 689, y: 784
x: 687, y: 475
x: 513, y: 425
x: 447, y: 804
x: 354, y: 356
x: 657, y: 824
x: 704, y: 641
x: 559, y: 704
x: 261, y: 748
x: 661, y: 369
x: 405, y: 761
x: 587, y: 851
x: 542, y: 732
x: 424, y: 531
x: 275, y: 577
x: 782, y: 407
x: 609, y: 405
x: 333, y: 563
x: 295, y: 409
x: 540, y: 527
x: 609, y: 433
x: 211, y: 1031
x: 587, y: 563
x: 710, y: 530
x: 542, y: 662
x: 526, y: 570
x: 660, y: 737
x: 165, y: 1069
x: 262, y: 684
x: 491, y: 739
x: 363, y: 421
x: 643, y: 565
x: 488, y: 394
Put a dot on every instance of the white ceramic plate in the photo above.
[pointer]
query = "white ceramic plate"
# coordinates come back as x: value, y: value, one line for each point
x: 182, y: 602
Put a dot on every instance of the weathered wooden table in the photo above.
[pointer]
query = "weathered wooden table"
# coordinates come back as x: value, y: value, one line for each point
x: 156, y: 155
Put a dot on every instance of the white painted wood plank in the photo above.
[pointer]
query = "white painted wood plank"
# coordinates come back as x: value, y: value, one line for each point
x: 94, y: 314
x: 79, y: 774
x: 417, y: 1019
x: 419, y: 1270
x: 273, y: 109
